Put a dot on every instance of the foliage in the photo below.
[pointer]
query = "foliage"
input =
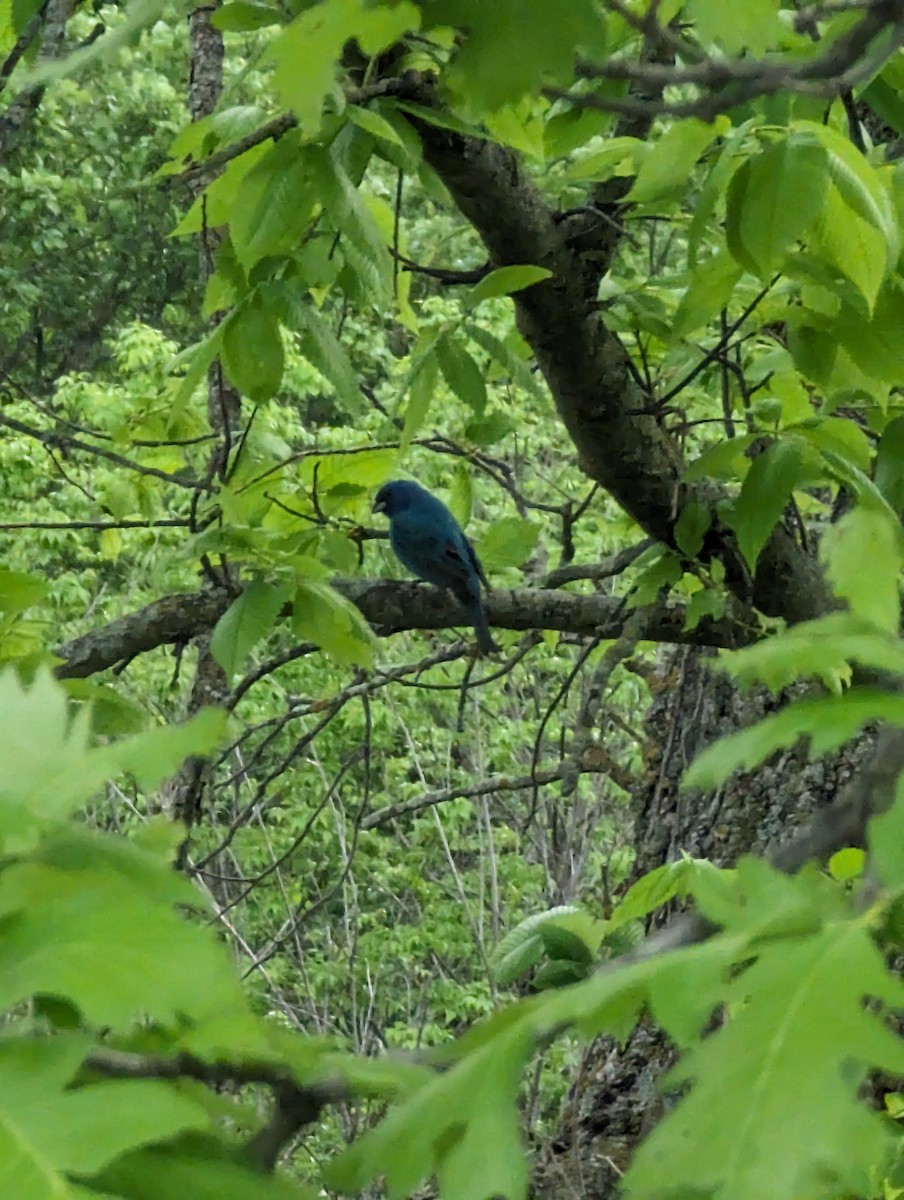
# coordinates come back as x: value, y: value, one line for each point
x: 466, y: 242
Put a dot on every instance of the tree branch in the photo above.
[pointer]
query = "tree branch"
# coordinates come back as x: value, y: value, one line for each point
x: 391, y: 607
x: 620, y: 443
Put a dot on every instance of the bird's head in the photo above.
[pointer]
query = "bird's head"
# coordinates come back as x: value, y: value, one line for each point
x: 395, y: 496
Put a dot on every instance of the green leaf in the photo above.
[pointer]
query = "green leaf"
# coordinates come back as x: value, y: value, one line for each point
x: 712, y: 284
x: 323, y: 350
x: 306, y: 52
x: 753, y: 26
x: 774, y: 199
x: 691, y: 527
x: 605, y: 163
x: 80, y: 1130
x: 766, y: 490
x: 82, y: 906
x: 576, y: 933
x: 274, y: 201
x: 862, y: 556
x: 475, y: 1150
x: 248, y: 619
x: 820, y: 649
x: 512, y: 49
x: 363, y: 245
x: 885, y: 837
x: 827, y: 721
x: 253, y: 351
x: 462, y: 373
x: 240, y: 16
x: 725, y: 460
x: 672, y: 159
x: 507, y: 543
x: 845, y: 865
x: 503, y: 281
x: 706, y: 602
x: 874, y: 342
x: 503, y: 354
x: 857, y: 249
x: 800, y: 1039
x: 890, y: 464
x: 651, y: 891
x: 373, y: 123
x: 20, y: 590
x: 841, y: 436
x: 321, y: 615
x: 421, y: 386
x: 193, y: 1170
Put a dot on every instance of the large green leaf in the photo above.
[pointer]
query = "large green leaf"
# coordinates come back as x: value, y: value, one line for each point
x: 249, y: 618
x: 862, y: 555
x: 753, y: 26
x: 765, y: 492
x: 775, y: 199
x: 47, y: 769
x: 322, y: 615
x: 78, y: 909
x: 827, y: 721
x: 306, y: 52
x: 799, y: 1039
x: 80, y: 1130
x: 253, y: 350
x: 504, y: 281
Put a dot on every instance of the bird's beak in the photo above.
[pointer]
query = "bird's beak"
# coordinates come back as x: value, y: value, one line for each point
x: 379, y: 506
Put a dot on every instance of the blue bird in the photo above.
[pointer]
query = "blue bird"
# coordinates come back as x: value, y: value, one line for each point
x: 428, y: 541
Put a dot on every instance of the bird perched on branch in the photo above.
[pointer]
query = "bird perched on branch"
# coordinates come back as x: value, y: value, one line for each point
x: 429, y: 541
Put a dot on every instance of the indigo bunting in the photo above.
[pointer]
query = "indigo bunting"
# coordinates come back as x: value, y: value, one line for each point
x: 428, y: 541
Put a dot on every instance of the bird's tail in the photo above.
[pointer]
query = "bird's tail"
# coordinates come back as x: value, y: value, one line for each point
x: 485, y: 642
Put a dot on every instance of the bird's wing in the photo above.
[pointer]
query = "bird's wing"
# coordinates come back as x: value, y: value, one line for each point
x: 432, y: 554
x: 475, y: 562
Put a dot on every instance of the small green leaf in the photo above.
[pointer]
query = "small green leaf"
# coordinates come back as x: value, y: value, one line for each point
x: 274, y: 200
x: 706, y: 602
x: 603, y: 164
x: 323, y: 350
x: 503, y: 281
x: 507, y: 543
x: 753, y: 26
x: 711, y: 287
x: 248, y: 619
x: 845, y: 865
x: 672, y: 159
x: 691, y: 527
x: 373, y: 123
x: 422, y: 384
x: 307, y: 51
x: 462, y: 373
x: 725, y: 460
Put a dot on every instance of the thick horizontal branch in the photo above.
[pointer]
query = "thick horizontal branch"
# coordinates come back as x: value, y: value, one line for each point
x: 391, y: 607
